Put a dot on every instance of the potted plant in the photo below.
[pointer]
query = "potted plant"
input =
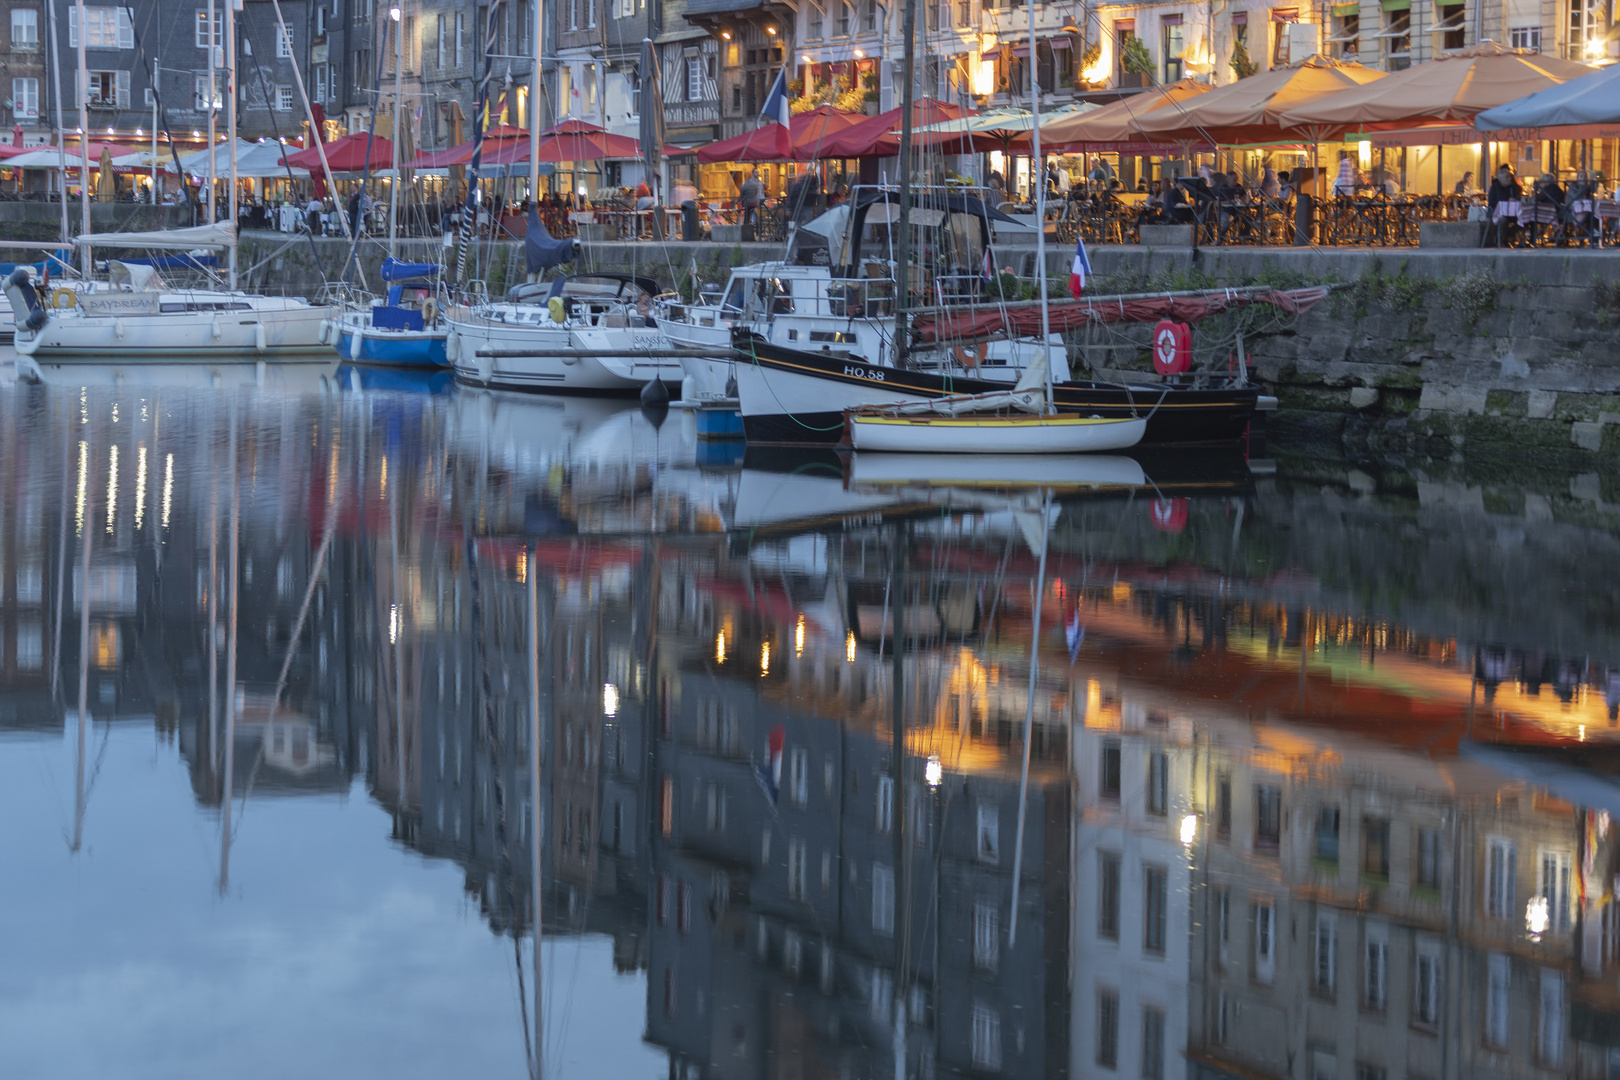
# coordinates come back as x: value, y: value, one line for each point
x: 1088, y: 60
x: 1136, y: 64
x: 869, y: 92
x: 1242, y: 65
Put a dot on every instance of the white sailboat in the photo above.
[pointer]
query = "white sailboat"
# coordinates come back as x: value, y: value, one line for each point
x: 139, y: 318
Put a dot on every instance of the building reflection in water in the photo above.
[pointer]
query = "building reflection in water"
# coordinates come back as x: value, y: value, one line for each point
x: 1263, y: 837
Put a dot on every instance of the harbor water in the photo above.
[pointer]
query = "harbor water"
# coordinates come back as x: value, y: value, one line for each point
x: 405, y: 729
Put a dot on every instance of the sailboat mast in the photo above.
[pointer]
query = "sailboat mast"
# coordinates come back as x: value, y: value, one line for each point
x: 536, y: 815
x: 1038, y: 177
x: 230, y: 122
x: 86, y: 259
x: 902, y: 252
x: 536, y: 90
x: 399, y: 104
x: 1029, y: 710
x: 61, y: 129
x: 213, y: 98
x: 84, y: 647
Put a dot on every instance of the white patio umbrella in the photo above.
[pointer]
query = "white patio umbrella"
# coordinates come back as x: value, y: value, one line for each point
x: 1589, y: 99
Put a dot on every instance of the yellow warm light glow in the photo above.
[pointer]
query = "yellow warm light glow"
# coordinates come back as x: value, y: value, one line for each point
x: 393, y: 624
x: 112, y: 485
x: 1098, y: 72
x: 798, y: 637
x: 140, y: 486
x: 1364, y: 153
x: 168, y: 487
x: 720, y: 647
x: 1536, y: 916
x: 849, y: 647
x: 764, y: 658
x: 984, y: 76
x: 933, y: 772
x: 523, y: 568
x: 610, y: 700
x: 1189, y: 829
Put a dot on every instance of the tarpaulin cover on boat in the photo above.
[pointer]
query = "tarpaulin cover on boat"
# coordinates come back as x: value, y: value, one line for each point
x: 541, y: 250
x: 219, y: 234
x: 398, y: 270
x: 1073, y: 314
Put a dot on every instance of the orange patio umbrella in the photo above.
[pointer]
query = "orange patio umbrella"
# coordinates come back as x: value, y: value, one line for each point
x: 1120, y: 122
x: 1453, y: 87
x: 1250, y: 110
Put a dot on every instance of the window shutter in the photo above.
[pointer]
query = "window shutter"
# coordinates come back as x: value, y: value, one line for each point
x: 123, y: 82
x: 73, y: 28
x: 126, y: 36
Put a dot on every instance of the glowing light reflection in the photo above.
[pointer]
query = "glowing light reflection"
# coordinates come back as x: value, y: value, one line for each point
x: 168, y: 487
x: 140, y: 486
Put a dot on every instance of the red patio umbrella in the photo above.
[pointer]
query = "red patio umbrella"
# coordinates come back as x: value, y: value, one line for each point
x: 806, y: 133
x: 878, y: 136
x: 461, y: 155
x: 571, y: 140
x: 347, y: 155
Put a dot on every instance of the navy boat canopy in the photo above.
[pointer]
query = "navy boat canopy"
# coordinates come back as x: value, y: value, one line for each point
x: 542, y: 251
x: 395, y: 270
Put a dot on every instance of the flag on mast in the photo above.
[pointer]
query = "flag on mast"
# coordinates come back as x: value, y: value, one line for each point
x: 1082, y: 267
x: 778, y: 113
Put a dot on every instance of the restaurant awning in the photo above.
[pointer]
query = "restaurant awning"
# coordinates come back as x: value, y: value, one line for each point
x: 1589, y: 99
x: 806, y: 133
x: 1119, y: 122
x: 1450, y: 87
x: 1250, y: 110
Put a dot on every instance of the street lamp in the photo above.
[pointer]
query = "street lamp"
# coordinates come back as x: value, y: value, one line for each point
x: 393, y: 13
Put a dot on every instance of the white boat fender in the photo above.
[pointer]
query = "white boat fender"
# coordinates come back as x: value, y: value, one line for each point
x: 569, y: 361
x: 213, y: 329
x: 118, y: 329
x: 258, y: 337
x: 355, y: 342
x: 486, y: 369
x: 326, y: 331
x: 24, y: 298
x: 452, y: 346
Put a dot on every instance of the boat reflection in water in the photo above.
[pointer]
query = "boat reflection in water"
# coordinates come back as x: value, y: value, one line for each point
x: 767, y: 726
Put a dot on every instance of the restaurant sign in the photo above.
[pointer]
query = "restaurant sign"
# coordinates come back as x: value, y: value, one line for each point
x: 1459, y: 135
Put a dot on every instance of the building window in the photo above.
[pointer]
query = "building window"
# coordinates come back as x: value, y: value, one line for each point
x: 869, y: 15
x: 989, y: 833
x: 881, y: 998
x: 1109, y: 780
x: 1108, y: 895
x: 792, y: 952
x: 1426, y: 992
x: 1172, y: 42
x: 799, y: 778
x: 843, y: 17
x: 1497, y: 985
x: 885, y: 804
x: 24, y: 28
x: 1265, y: 943
x: 461, y: 38
x: 284, y: 99
x: 1223, y: 920
x: 1346, y: 38
x: 1152, y: 1043
x: 25, y: 99
x: 1327, y: 954
x: 1282, y: 20
x: 441, y: 41
x: 817, y: 20
x: 1501, y: 877
x: 109, y: 89
x: 409, y: 43
x: 1155, y: 899
x: 796, y: 869
x: 1525, y: 37
x: 1397, y: 37
x: 1553, y: 889
x: 1158, y: 783
x: 666, y: 806
x: 694, y: 79
x: 1375, y: 848
x: 986, y: 1037
x: 683, y: 907
x: 1223, y: 806
x: 1451, y: 23
x: 201, y: 28
x: 1550, y: 1019
x: 105, y: 28
x: 1267, y: 818
x: 284, y: 42
x: 1327, y: 834
x: 986, y: 936
x: 1370, y: 1072
x: 1428, y: 860
x: 882, y: 899
x: 1107, y: 1028
x: 1375, y: 974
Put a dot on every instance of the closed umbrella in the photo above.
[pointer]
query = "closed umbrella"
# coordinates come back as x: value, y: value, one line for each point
x: 106, y: 186
x: 1451, y: 88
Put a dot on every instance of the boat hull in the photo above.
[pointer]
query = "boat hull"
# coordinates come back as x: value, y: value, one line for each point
x: 793, y: 397
x: 361, y: 344
x: 1003, y: 471
x: 543, y: 368
x: 291, y: 334
x: 992, y: 434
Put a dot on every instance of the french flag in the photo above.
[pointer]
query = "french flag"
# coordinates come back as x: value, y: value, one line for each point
x: 777, y: 113
x: 1082, y: 267
x: 769, y: 773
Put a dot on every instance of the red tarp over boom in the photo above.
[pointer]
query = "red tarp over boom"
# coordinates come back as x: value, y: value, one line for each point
x: 1072, y: 314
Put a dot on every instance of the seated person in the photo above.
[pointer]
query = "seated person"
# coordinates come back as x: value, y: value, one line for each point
x: 1503, y: 203
x: 1270, y: 186
x: 1152, y: 211
x: 1177, y: 209
x: 1345, y: 183
x: 1285, y: 185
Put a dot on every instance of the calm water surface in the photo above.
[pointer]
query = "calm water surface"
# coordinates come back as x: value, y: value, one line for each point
x: 1320, y: 758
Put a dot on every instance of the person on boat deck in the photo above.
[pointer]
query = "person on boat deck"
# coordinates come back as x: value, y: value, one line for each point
x: 751, y: 196
x: 1270, y: 187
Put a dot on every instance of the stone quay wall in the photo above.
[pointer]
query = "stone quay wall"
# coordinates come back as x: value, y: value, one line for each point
x: 1427, y: 352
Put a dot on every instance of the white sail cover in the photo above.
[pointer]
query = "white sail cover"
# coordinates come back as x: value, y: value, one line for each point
x: 221, y: 234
